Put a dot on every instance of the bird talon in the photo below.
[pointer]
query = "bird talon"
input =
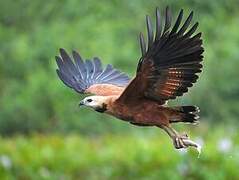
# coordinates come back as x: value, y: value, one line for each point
x: 176, y: 144
x: 184, y: 142
x: 179, y: 143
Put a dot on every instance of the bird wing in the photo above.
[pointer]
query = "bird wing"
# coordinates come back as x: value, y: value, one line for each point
x: 88, y: 76
x: 169, y: 65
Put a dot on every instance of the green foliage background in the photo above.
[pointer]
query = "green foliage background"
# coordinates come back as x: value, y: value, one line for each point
x: 114, y: 157
x: 33, y: 99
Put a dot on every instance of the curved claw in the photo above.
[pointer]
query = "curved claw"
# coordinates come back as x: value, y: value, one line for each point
x: 183, y: 142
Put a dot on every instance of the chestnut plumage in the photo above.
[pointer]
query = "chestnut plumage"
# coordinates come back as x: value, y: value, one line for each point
x: 169, y: 65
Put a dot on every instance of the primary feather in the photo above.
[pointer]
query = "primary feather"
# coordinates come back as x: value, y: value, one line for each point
x: 169, y: 64
x: 81, y: 75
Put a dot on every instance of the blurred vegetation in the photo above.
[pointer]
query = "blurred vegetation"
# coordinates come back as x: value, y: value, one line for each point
x: 117, y: 157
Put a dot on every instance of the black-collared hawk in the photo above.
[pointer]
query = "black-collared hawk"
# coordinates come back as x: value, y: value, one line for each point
x: 170, y: 62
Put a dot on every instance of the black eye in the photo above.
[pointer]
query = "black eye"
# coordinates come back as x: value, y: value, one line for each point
x: 89, y: 100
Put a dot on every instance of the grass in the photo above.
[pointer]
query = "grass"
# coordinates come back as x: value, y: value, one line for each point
x: 128, y: 156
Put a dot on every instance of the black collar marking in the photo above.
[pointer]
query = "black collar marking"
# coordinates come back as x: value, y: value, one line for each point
x: 101, y: 109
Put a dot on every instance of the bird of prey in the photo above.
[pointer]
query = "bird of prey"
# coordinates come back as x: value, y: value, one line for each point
x: 170, y: 62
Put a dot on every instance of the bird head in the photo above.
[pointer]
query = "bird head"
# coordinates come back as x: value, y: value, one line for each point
x: 98, y: 103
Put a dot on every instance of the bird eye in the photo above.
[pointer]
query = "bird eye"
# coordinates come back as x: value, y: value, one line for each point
x: 89, y: 100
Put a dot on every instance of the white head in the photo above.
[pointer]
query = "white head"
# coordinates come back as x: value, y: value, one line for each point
x: 98, y: 103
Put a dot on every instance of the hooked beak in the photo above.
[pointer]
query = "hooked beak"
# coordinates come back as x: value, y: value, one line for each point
x: 81, y: 103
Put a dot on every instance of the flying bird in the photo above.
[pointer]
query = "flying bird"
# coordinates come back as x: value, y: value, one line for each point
x: 170, y: 62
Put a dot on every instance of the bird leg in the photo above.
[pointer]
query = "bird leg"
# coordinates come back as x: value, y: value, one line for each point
x: 180, y: 140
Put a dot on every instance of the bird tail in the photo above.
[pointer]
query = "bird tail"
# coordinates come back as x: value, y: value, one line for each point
x: 187, y: 114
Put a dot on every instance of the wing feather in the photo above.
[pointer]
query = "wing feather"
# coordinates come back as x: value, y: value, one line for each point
x: 158, y: 25
x: 80, y: 64
x: 171, y: 63
x: 86, y: 76
x: 150, y: 31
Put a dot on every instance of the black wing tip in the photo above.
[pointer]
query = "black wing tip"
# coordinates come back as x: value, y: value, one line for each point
x: 150, y: 31
x: 64, y: 79
x: 74, y: 51
x: 64, y: 55
x: 167, y: 8
x: 62, y: 50
x: 142, y: 43
x: 157, y: 12
x: 168, y: 11
x: 96, y: 58
x: 196, y: 25
x: 167, y: 27
x: 181, y: 12
x: 57, y: 58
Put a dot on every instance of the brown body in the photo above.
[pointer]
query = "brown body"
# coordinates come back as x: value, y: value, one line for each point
x: 142, y: 112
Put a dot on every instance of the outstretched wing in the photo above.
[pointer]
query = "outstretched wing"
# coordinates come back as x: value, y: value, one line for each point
x: 169, y: 65
x: 88, y: 76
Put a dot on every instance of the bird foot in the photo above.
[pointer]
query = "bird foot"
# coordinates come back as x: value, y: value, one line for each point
x: 183, y: 141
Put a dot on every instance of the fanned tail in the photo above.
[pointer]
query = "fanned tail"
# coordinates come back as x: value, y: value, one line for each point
x: 187, y: 114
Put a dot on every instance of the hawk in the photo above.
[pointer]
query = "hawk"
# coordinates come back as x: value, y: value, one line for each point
x: 169, y: 65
